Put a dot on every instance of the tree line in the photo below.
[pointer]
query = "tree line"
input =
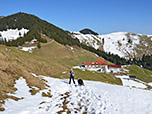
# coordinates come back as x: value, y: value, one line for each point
x: 37, y: 26
x: 145, y: 61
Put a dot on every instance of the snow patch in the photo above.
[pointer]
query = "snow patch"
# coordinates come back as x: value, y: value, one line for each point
x: 25, y: 105
x: 64, y: 72
x: 13, y: 34
x: 76, y: 67
x: 131, y: 83
x: 96, y: 55
x: 71, y: 48
x: 28, y: 48
x: 150, y: 83
x: 94, y: 69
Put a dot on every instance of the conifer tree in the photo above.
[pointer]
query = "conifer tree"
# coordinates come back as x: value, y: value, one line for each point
x: 103, y: 40
x: 5, y: 41
x: 20, y: 34
x: 39, y: 45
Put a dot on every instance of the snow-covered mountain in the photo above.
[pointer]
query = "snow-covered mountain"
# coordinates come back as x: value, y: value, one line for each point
x: 93, y: 98
x: 124, y: 44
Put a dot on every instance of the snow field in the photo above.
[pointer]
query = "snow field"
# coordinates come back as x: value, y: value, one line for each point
x: 23, y: 106
x: 124, y: 100
x: 117, y: 43
x: 78, y: 99
x: 94, y: 97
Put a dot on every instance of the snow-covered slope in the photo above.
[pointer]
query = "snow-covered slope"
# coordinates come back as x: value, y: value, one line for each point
x: 118, y: 43
x: 89, y: 39
x: 93, y: 98
x: 124, y: 44
x: 13, y: 34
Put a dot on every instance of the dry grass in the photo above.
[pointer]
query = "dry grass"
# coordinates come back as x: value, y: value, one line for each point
x: 51, y: 60
x: 12, y: 66
x: 33, y: 91
x: 65, y: 102
x: 4, y: 96
x: 46, y: 94
x: 62, y: 57
x: 149, y: 87
x: 1, y: 108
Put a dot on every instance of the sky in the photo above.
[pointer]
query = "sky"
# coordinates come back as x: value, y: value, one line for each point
x: 102, y: 16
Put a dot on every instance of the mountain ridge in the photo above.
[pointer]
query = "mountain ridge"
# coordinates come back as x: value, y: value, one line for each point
x: 41, y: 27
x: 124, y: 44
x: 36, y: 26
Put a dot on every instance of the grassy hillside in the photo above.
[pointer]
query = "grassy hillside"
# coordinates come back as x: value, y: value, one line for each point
x: 68, y: 57
x: 50, y: 60
x: 36, y: 26
x: 65, y: 55
x: 14, y: 64
x: 141, y: 73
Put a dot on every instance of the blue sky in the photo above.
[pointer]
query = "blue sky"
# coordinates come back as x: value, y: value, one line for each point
x: 102, y: 16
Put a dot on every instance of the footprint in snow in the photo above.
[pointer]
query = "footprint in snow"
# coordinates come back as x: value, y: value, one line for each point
x: 80, y: 99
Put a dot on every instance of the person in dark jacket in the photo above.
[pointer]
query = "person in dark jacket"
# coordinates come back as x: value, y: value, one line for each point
x: 71, y: 76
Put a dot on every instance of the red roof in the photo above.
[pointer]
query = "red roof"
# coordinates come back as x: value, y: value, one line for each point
x: 114, y: 66
x: 100, y: 60
x: 95, y: 63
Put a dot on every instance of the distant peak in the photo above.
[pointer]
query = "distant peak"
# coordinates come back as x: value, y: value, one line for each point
x: 88, y: 31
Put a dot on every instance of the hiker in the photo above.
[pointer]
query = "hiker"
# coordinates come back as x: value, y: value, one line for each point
x: 71, y: 76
